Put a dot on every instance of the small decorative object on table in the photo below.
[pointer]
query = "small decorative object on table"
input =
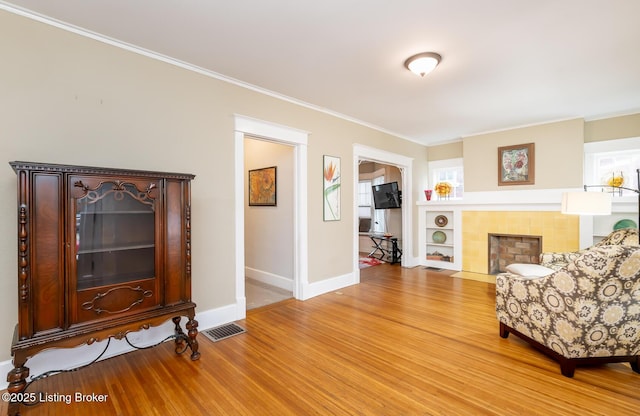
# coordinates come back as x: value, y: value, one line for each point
x: 615, y: 181
x: 615, y: 185
x: 443, y: 189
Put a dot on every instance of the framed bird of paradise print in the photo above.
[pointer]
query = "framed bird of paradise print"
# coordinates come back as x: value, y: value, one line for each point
x: 331, y: 188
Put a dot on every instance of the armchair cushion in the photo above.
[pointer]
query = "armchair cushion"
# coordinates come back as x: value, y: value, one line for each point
x: 529, y: 270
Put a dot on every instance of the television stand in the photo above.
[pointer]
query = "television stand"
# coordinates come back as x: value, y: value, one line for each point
x: 387, y: 246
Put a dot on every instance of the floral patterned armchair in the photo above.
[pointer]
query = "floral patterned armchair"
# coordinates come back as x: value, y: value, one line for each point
x: 586, y: 312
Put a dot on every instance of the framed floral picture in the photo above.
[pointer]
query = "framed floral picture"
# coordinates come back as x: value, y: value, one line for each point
x: 331, y: 188
x: 262, y: 187
x: 516, y: 164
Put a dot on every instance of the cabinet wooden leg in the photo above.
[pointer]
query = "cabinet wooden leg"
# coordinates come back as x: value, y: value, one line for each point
x: 17, y: 379
x: 192, y: 328
x: 181, y: 338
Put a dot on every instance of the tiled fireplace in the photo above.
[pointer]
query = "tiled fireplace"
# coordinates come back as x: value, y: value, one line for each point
x: 558, y: 232
x: 505, y: 249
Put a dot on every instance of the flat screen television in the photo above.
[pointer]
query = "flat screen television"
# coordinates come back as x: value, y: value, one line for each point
x: 386, y: 195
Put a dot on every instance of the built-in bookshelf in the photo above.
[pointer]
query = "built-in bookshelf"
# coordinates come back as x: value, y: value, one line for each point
x: 440, y: 236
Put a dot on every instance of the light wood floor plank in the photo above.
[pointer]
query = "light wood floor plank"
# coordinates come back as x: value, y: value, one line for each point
x: 403, y: 342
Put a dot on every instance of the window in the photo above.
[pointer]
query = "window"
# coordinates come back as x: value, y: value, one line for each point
x: 378, y: 224
x: 605, y: 159
x: 451, y: 171
x: 366, y: 210
x: 364, y: 198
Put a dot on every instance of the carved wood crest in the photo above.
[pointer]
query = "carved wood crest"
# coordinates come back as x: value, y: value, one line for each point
x: 121, y: 295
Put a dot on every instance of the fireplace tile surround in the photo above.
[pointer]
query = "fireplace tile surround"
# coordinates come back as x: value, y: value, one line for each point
x: 559, y: 233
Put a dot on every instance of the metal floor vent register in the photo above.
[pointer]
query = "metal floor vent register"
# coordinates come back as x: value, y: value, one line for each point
x: 223, y: 332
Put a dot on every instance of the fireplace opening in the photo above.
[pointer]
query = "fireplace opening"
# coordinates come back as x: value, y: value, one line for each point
x: 506, y: 249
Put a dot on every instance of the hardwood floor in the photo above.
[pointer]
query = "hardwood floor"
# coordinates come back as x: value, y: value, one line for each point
x: 403, y: 342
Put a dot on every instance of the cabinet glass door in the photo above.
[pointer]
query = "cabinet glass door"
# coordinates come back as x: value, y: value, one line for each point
x: 115, y: 235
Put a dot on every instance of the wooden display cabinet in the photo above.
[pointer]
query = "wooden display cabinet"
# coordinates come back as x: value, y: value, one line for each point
x: 101, y: 252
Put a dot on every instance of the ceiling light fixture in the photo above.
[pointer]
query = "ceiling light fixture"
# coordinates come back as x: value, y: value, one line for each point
x: 422, y: 63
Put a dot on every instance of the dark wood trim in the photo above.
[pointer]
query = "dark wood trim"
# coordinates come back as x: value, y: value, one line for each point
x: 53, y: 167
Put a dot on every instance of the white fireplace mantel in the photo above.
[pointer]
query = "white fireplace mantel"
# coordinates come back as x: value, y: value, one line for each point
x: 522, y: 200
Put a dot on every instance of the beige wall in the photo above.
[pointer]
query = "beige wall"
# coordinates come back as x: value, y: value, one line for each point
x: 558, y: 156
x: 445, y: 151
x: 70, y: 99
x: 612, y: 128
x: 593, y: 131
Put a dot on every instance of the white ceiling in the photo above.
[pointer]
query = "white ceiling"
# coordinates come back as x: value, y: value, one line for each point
x: 506, y: 63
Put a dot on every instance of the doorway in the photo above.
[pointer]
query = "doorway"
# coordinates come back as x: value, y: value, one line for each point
x: 374, y: 220
x: 250, y: 127
x: 405, y: 166
x: 268, y: 233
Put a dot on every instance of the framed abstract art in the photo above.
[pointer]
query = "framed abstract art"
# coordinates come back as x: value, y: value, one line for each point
x: 516, y: 164
x: 262, y: 187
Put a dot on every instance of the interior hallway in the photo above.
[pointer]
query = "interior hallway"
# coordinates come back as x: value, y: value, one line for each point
x: 260, y: 294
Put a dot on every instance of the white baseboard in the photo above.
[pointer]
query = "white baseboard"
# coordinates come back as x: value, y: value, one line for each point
x: 69, y: 358
x: 269, y: 278
x: 412, y: 261
x: 311, y: 290
x: 218, y: 316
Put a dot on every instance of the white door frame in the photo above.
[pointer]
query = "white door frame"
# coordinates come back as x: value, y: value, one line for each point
x: 405, y: 165
x: 298, y: 139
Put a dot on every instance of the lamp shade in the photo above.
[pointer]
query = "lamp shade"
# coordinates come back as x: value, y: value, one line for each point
x: 586, y: 203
